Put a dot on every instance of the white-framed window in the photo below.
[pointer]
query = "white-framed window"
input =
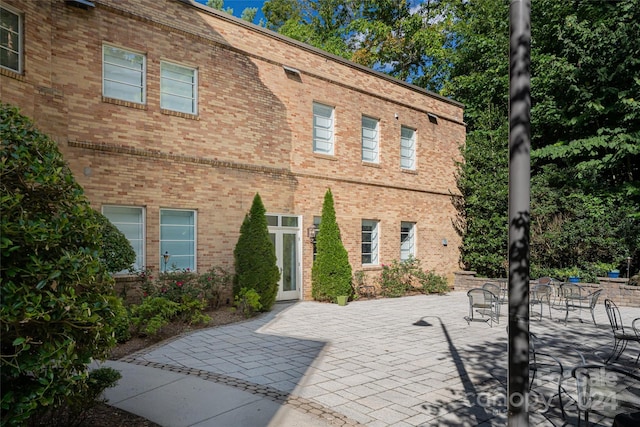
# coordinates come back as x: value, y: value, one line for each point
x: 178, y: 239
x: 370, y: 242
x: 178, y: 88
x: 11, y: 39
x: 407, y: 240
x: 370, y: 139
x: 407, y: 148
x: 130, y: 221
x: 323, y: 129
x: 124, y: 74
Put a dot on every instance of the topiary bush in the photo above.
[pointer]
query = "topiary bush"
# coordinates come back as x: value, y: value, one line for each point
x: 331, y: 271
x: 117, y: 253
x: 54, y: 314
x: 255, y: 257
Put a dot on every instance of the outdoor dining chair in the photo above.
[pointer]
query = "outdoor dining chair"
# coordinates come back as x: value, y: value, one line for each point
x: 556, y: 297
x: 485, y: 303
x: 540, y: 294
x: 621, y: 337
x: 577, y: 297
x: 607, y: 391
x: 496, y: 289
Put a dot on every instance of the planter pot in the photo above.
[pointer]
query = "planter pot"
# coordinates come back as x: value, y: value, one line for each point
x: 574, y: 279
x: 613, y: 274
x: 342, y: 299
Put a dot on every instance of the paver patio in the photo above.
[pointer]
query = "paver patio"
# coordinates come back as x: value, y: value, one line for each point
x: 411, y: 361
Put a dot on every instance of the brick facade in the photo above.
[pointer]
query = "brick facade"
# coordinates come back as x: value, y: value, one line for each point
x: 252, y: 133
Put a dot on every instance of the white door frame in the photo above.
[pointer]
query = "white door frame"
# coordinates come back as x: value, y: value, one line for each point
x: 294, y: 266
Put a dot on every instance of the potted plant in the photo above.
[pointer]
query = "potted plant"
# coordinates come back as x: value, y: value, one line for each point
x: 572, y: 274
x: 342, y: 299
x: 613, y: 274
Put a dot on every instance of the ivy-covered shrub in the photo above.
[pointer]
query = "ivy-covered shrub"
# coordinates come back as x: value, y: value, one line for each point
x: 255, y: 257
x: 54, y: 314
x: 331, y: 271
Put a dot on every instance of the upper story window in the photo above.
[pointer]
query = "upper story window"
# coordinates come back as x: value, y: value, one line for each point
x: 178, y: 88
x: 130, y: 221
x: 407, y: 148
x: 369, y: 242
x: 370, y: 139
x: 10, y: 39
x: 178, y: 239
x: 123, y: 74
x: 407, y: 240
x: 323, y: 129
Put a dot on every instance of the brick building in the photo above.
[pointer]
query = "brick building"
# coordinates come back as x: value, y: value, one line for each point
x: 172, y: 116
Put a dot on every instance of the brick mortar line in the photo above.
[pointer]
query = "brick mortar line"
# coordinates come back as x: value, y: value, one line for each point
x: 299, y: 403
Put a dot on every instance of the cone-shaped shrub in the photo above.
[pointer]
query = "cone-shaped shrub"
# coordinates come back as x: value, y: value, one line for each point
x: 331, y: 271
x: 255, y: 257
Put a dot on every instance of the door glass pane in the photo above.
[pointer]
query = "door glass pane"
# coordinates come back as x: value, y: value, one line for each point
x: 289, y: 221
x: 289, y: 265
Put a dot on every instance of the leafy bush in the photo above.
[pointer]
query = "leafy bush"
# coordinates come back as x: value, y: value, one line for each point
x: 174, y: 285
x: 54, y: 316
x: 121, y: 322
x: 255, y: 257
x: 117, y: 253
x: 153, y: 314
x: 402, y: 277
x: 247, y: 301
x: 331, y: 271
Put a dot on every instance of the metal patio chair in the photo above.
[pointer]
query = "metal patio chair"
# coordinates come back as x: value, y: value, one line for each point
x: 496, y: 289
x: 485, y: 303
x: 621, y: 337
x: 540, y: 294
x: 577, y: 297
x: 605, y: 390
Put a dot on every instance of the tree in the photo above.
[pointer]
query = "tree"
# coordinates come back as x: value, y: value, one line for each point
x: 331, y: 271
x: 255, y: 257
x: 248, y: 13
x: 54, y: 314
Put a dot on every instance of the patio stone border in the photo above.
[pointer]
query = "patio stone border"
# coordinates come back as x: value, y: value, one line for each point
x: 299, y: 403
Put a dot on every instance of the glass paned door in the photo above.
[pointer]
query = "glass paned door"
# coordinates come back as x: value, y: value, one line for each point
x: 286, y: 244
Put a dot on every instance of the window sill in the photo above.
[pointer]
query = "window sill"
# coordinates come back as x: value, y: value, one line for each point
x: 11, y: 73
x: 371, y: 267
x: 409, y: 171
x: 124, y: 103
x: 179, y: 114
x: 324, y: 156
x: 371, y: 165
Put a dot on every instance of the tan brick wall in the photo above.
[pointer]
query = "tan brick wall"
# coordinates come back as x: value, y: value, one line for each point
x: 253, y: 132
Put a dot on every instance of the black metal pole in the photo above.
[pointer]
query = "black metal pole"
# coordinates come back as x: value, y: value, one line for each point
x: 519, y: 205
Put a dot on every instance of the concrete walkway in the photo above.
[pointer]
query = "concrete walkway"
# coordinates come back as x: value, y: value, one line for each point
x: 412, y: 361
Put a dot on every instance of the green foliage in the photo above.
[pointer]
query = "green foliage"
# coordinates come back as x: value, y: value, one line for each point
x: 247, y: 301
x: 585, y: 190
x: 153, y: 314
x: 121, y: 322
x: 255, y: 257
x: 176, y: 284
x: 117, y: 253
x: 402, y: 277
x: 72, y: 412
x: 54, y: 316
x: 331, y: 271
